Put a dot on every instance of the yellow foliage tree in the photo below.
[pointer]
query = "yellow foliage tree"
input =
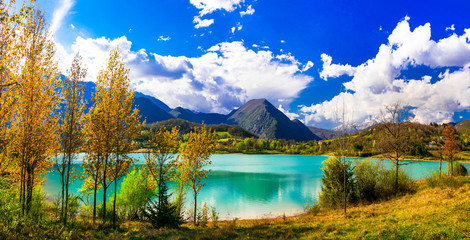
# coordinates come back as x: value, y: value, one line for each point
x: 112, y: 125
x: 195, y: 156
x: 35, y: 123
x: 71, y: 135
x: 11, y: 54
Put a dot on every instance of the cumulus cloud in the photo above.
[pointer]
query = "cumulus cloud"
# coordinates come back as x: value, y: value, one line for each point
x: 377, y: 81
x: 59, y: 15
x: 307, y: 66
x: 202, y: 23
x: 209, y: 6
x: 225, y: 77
x: 290, y: 115
x: 334, y: 70
x: 249, y: 11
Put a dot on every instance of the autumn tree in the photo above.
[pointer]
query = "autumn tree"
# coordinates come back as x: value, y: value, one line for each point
x: 112, y: 126
x: 195, y: 155
x: 450, y: 147
x: 70, y: 131
x: 394, y: 142
x: 125, y: 119
x: 34, y: 124
x: 12, y: 53
x: 161, y: 160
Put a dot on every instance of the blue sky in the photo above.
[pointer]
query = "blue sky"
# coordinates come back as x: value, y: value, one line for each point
x: 305, y: 57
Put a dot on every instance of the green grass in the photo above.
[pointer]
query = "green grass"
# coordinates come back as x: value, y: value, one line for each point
x: 440, y: 212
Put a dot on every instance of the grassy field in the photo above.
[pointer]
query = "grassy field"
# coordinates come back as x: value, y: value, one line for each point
x: 429, y: 213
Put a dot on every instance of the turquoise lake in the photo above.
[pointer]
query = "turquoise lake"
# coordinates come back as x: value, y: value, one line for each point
x: 256, y: 186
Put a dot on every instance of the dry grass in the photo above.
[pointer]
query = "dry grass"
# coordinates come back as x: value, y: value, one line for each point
x: 430, y: 213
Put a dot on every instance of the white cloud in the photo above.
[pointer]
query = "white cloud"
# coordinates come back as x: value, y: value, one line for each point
x: 201, y: 23
x: 163, y: 38
x: 255, y: 45
x: 451, y: 28
x: 249, y: 11
x: 225, y: 77
x: 307, y: 66
x: 238, y: 28
x: 290, y: 115
x: 380, y: 28
x: 59, y: 15
x: 377, y: 82
x: 282, y: 41
x: 209, y: 6
x: 334, y: 70
x: 72, y: 26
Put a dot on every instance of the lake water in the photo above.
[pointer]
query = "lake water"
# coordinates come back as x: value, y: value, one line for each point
x: 256, y: 186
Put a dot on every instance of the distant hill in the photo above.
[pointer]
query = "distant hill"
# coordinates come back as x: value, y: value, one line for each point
x: 184, y: 114
x: 155, y: 101
x: 261, y: 117
x: 464, y: 124
x: 355, y: 128
x: 149, y: 111
x: 186, y: 127
x: 324, y: 134
x: 207, y: 118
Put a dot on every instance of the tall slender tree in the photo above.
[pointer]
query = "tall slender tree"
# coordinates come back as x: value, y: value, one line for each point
x: 35, y: 124
x: 71, y: 134
x: 125, y: 121
x: 343, y: 124
x: 196, y: 154
x: 395, y: 141
x: 12, y: 53
x: 112, y: 125
x: 450, y: 147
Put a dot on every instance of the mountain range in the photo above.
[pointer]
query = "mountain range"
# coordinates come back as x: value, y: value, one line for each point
x: 258, y: 116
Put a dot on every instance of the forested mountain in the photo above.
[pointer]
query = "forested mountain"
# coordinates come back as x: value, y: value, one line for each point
x: 261, y: 117
x: 258, y: 116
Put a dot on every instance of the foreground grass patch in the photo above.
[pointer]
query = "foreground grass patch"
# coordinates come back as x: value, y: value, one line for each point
x: 440, y: 212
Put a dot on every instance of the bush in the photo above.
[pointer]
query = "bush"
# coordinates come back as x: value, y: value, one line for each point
x: 313, y: 209
x: 367, y: 180
x: 375, y: 182
x: 386, y: 185
x: 459, y: 169
x: 444, y: 180
x: 136, y: 192
x: 333, y: 181
x: 9, y: 206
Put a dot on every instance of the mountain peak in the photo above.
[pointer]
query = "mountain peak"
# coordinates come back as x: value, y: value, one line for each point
x: 261, y: 117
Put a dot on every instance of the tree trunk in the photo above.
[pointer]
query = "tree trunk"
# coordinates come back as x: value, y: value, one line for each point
x: 104, y: 192
x: 195, y: 207
x: 63, y: 213
x: 396, y: 177
x: 67, y: 180
x: 114, y: 203
x: 440, y: 167
x: 344, y: 184
x: 94, y: 199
